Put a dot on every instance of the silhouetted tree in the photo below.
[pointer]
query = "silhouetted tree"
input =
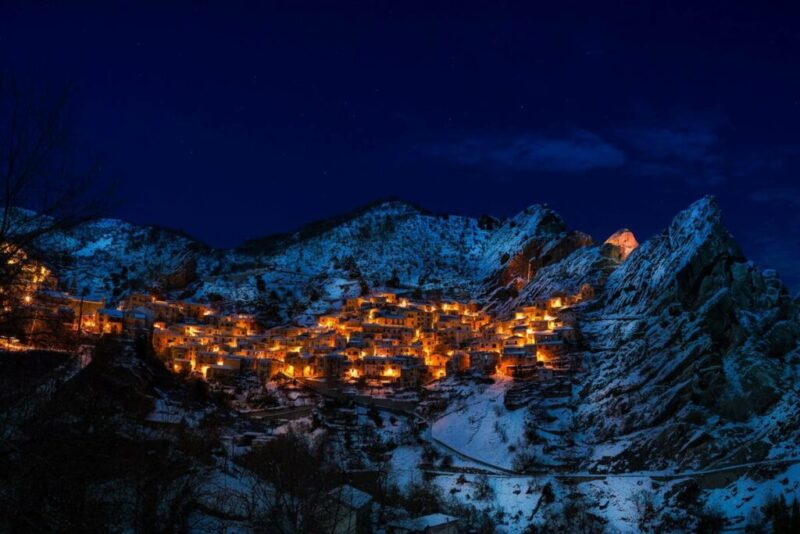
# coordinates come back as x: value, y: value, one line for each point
x: 294, y: 484
x: 42, y: 170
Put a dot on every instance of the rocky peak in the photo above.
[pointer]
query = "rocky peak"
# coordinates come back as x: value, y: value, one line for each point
x: 688, y: 326
x: 620, y: 245
x: 539, y: 219
x: 702, y: 220
x: 687, y: 263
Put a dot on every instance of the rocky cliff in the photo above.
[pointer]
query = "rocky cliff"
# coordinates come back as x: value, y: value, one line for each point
x: 692, y: 353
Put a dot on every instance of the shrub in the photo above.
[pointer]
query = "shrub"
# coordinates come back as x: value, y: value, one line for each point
x: 548, y: 495
x: 531, y: 432
x: 500, y: 431
x: 524, y: 461
x: 483, y: 489
x: 755, y: 523
x: 710, y: 521
x: 784, y: 518
x: 422, y: 498
x: 429, y: 455
x: 644, y: 502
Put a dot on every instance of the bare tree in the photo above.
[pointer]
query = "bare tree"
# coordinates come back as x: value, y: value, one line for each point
x: 295, y: 487
x: 47, y: 186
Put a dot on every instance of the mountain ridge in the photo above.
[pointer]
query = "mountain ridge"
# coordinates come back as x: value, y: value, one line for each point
x: 690, y: 354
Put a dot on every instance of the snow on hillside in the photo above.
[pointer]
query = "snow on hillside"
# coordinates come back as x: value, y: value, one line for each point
x: 691, y: 355
x: 392, y: 242
x: 112, y: 258
x: 683, y: 331
x: 479, y: 426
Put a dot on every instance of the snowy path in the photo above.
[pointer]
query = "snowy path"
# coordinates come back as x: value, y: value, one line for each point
x: 500, y: 471
x: 659, y: 475
x: 428, y: 436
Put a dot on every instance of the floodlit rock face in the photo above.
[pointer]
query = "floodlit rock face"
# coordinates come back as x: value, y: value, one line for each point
x: 620, y: 245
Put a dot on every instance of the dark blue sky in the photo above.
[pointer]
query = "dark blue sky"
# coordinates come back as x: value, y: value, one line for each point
x: 233, y: 120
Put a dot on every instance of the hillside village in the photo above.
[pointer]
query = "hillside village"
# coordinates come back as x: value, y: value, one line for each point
x: 385, y: 338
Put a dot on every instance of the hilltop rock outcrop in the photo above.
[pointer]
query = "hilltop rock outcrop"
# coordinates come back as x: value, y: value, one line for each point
x: 620, y: 245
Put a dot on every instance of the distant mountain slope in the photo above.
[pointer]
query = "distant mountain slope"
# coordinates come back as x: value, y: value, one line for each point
x: 111, y: 258
x: 393, y: 243
x: 388, y: 243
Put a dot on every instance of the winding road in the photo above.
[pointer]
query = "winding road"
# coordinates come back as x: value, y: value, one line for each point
x: 712, y: 477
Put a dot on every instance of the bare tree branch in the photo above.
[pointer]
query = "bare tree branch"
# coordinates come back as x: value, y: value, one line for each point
x: 49, y: 186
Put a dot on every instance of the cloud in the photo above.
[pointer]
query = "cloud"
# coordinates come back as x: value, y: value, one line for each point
x: 689, y: 149
x: 694, y: 143
x: 692, y: 150
x: 786, y: 196
x: 578, y: 152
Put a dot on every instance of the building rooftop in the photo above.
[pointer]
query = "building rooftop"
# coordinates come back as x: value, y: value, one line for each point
x: 421, y: 524
x: 351, y: 497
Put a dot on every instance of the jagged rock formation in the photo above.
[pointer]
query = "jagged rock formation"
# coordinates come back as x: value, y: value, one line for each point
x: 692, y: 352
x: 539, y: 252
x: 690, y: 355
x: 620, y: 245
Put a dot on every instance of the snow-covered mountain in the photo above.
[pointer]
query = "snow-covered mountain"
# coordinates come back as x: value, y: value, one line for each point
x: 691, y: 354
x: 390, y: 243
x: 112, y: 258
x: 685, y: 342
x: 689, y: 349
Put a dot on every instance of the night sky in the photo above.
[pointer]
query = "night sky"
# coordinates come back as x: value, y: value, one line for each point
x: 230, y: 121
